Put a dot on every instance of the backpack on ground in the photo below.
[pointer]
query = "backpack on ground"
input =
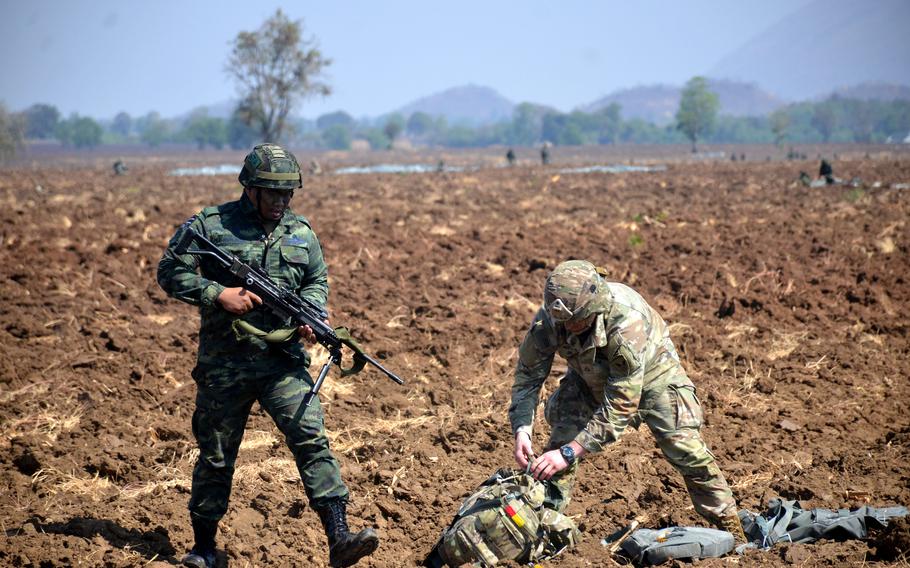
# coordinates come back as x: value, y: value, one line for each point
x: 647, y: 546
x: 504, y: 520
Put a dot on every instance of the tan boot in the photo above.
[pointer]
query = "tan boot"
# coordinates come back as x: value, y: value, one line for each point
x: 730, y: 522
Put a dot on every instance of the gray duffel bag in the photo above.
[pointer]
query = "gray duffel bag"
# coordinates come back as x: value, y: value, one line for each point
x: 648, y: 546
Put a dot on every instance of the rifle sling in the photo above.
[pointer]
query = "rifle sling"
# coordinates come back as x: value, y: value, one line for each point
x: 282, y: 336
x: 359, y: 361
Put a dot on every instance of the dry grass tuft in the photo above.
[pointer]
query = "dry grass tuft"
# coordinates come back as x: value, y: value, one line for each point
x: 762, y: 477
x: 350, y: 440
x: 170, y: 477
x: 280, y: 469
x: 784, y: 344
x: 50, y: 422
x: 58, y: 482
x: 253, y: 439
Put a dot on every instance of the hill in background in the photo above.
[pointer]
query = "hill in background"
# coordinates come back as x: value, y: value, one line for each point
x: 658, y: 103
x: 874, y: 91
x: 824, y: 45
x: 470, y: 105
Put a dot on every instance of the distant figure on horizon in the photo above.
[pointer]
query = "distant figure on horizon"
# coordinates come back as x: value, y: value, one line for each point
x: 119, y: 168
x: 510, y: 156
x: 545, y: 153
x: 826, y: 171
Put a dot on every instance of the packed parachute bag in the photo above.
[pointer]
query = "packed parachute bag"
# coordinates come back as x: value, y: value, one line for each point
x: 505, y: 519
x: 649, y: 547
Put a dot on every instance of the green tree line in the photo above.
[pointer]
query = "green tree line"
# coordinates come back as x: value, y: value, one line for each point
x: 832, y: 120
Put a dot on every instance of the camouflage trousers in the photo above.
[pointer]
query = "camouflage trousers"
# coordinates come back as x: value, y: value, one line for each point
x: 674, y: 416
x: 223, y: 401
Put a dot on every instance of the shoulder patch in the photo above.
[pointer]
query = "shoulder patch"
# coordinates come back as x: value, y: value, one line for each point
x: 295, y: 240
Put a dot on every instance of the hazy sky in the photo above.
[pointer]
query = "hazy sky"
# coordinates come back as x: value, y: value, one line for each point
x: 98, y: 57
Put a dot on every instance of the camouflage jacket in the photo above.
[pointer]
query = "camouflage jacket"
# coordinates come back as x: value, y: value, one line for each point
x: 291, y: 255
x: 626, y: 352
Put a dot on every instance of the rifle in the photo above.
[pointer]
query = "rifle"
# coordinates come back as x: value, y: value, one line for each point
x: 287, y: 305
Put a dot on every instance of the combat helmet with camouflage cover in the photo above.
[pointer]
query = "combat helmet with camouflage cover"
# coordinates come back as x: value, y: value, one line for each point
x: 574, y: 291
x: 271, y: 166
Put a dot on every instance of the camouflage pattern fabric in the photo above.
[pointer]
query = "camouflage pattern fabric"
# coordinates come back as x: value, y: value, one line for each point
x: 270, y: 166
x: 505, y: 519
x: 623, y: 371
x: 223, y: 400
x: 291, y: 255
x: 234, y: 371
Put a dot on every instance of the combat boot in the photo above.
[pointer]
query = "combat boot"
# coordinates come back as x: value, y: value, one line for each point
x: 730, y: 522
x: 345, y: 549
x: 202, y: 555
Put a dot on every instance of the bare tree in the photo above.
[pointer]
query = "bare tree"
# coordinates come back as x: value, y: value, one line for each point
x: 275, y: 67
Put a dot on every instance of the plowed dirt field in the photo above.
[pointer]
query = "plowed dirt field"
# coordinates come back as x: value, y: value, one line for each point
x: 789, y: 306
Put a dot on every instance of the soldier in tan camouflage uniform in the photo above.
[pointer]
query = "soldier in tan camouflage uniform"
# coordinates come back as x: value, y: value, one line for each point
x: 623, y: 370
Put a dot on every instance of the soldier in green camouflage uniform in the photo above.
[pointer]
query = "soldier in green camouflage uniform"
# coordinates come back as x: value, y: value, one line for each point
x: 623, y: 370
x: 234, y: 370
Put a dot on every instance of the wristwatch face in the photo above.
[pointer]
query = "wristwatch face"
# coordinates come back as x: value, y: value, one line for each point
x: 568, y: 454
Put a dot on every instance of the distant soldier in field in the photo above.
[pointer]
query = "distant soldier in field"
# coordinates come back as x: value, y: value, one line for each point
x: 545, y: 154
x: 236, y: 369
x: 119, y: 168
x: 510, y: 157
x: 623, y: 370
x: 826, y: 172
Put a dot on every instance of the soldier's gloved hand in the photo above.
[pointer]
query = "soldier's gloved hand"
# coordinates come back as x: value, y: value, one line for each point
x: 548, y: 465
x: 238, y: 300
x: 524, y: 450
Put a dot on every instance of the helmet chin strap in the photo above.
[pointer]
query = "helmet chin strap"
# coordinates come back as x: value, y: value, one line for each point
x: 262, y: 218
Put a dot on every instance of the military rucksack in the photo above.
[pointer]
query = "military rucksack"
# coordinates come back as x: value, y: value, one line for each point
x: 505, y: 519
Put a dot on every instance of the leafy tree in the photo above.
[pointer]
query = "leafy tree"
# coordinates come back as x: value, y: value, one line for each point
x: 393, y: 127
x: 419, y: 124
x: 337, y: 137
x: 376, y: 138
x: 780, y: 122
x: 12, y: 133
x: 41, y: 121
x: 239, y: 133
x: 697, y: 112
x: 335, y: 118
x: 79, y: 131
x: 206, y: 130
x: 461, y: 137
x: 122, y: 125
x: 86, y: 132
x: 154, y: 130
x: 862, y: 121
x: 275, y: 67
x: 527, y: 123
x: 824, y: 120
x: 609, y: 122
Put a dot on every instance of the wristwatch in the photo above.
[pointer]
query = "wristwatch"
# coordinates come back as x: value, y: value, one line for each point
x: 568, y: 454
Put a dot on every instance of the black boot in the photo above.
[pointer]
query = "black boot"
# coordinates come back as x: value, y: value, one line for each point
x: 345, y: 549
x: 203, y: 553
